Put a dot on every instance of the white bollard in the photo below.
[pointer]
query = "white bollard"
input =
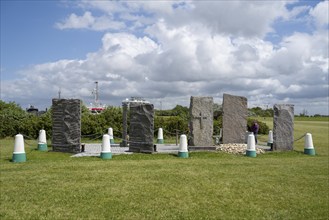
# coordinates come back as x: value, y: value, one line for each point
x: 247, y: 135
x: 160, y: 136
x: 251, y: 147
x: 270, y: 138
x: 183, y: 151
x: 19, y: 150
x: 42, y: 141
x: 110, y: 132
x: 308, y: 146
x: 106, y: 147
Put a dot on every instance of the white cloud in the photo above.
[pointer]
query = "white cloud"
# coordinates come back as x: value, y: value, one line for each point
x: 239, y: 18
x: 296, y: 12
x: 88, y: 21
x: 321, y: 14
x: 195, y: 48
x: 75, y: 21
x: 124, y: 43
x: 242, y: 18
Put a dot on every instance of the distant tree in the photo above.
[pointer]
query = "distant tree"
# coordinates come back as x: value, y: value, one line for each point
x: 217, y: 125
x: 178, y: 110
x: 11, y: 119
x: 170, y: 124
x: 218, y: 110
x: 46, y: 122
x: 304, y: 113
x: 93, y: 125
x: 257, y: 111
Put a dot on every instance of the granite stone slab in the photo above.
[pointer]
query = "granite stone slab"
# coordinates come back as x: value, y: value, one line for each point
x: 235, y: 113
x: 141, y: 128
x: 283, y: 127
x: 201, y: 121
x: 66, y: 130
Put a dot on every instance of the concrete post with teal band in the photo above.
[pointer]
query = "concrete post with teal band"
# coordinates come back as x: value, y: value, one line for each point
x: 42, y: 141
x: 308, y: 146
x: 251, y: 147
x: 160, y: 136
x: 19, y: 150
x: 183, y: 151
x: 106, y: 148
x: 110, y: 132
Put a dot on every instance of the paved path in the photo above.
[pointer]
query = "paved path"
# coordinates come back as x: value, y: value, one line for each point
x: 94, y: 150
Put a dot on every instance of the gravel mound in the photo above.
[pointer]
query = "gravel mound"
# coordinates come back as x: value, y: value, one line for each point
x: 237, y: 149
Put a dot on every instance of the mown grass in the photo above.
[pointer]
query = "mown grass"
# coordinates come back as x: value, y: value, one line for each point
x: 207, y: 185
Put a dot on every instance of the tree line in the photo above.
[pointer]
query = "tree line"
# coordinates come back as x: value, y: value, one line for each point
x: 14, y: 120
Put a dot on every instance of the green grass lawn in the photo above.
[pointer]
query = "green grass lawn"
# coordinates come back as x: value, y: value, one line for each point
x: 277, y: 185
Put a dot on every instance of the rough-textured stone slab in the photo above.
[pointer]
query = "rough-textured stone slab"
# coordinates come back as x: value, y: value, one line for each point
x: 201, y: 121
x: 283, y: 127
x: 141, y: 128
x: 235, y: 113
x: 66, y: 131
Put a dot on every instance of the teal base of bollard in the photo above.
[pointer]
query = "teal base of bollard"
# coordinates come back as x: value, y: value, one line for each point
x: 269, y: 144
x: 309, y: 151
x: 251, y: 153
x: 112, y: 141
x: 18, y: 158
x: 183, y: 154
x: 106, y: 155
x: 160, y: 141
x: 42, y: 147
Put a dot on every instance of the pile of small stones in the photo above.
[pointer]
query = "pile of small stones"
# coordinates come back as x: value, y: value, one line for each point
x: 236, y: 148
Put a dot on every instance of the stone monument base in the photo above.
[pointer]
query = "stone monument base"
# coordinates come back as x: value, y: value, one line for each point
x: 202, y: 148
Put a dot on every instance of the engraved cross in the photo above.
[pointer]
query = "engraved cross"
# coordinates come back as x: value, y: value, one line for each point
x: 201, y: 117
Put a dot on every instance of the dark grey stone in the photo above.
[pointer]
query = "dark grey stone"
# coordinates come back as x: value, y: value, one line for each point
x: 283, y: 127
x: 66, y: 131
x: 201, y: 121
x: 235, y: 113
x: 141, y: 129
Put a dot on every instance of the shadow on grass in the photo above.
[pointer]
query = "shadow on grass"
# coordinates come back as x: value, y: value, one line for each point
x: 173, y: 155
x: 283, y: 154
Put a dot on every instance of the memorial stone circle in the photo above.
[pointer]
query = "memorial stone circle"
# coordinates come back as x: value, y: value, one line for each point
x: 66, y: 115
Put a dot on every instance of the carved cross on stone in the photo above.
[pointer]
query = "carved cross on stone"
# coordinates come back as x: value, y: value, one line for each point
x: 201, y: 117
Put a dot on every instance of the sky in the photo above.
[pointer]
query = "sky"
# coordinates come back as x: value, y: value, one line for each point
x: 272, y: 52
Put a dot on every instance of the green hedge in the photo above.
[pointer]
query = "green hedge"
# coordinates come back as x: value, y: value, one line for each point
x: 14, y: 120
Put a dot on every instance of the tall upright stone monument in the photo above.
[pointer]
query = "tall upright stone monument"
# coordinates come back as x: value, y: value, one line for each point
x: 66, y: 115
x: 235, y: 113
x: 283, y: 127
x: 141, y: 128
x: 201, y: 121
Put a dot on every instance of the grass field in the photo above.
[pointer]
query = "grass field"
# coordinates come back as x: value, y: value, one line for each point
x: 276, y: 185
